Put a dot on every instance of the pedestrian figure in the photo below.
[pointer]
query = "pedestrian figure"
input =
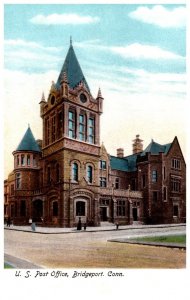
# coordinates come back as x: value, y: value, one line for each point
x: 33, y: 226
x: 84, y: 226
x: 8, y: 221
x: 117, y: 226
x: 79, y: 225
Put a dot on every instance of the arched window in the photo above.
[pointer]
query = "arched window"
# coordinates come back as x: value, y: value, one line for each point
x: 75, y: 172
x: 89, y: 174
x: 22, y: 160
x: 80, y: 208
x: 55, y: 209
x: 28, y: 159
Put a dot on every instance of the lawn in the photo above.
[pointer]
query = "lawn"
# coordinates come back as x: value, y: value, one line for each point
x: 7, y: 266
x: 181, y: 239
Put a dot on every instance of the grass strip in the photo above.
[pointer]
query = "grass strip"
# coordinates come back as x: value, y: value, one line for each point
x: 181, y: 239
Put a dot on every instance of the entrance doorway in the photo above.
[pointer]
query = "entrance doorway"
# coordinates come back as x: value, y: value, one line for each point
x: 103, y: 214
x: 135, y: 215
x: 37, y: 210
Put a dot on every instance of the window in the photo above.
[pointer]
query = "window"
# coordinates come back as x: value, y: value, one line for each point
x: 154, y: 176
x: 75, y: 172
x: 133, y: 184
x: 55, y: 209
x: 72, y: 124
x: 175, y: 211
x: 91, y: 130
x: 103, y: 165
x: 154, y: 196
x: 12, y: 189
x: 34, y: 161
x: 53, y: 129
x: 18, y: 160
x: 82, y: 125
x: 164, y: 173
x: 47, y: 131
x: 103, y: 182
x: 22, y: 160
x: 175, y: 184
x: 117, y: 183
x: 143, y: 180
x: 89, y: 174
x: 165, y: 193
x: 59, y: 124
x: 120, y: 208
x: 80, y: 208
x: 28, y: 159
x: 23, y: 208
x: 18, y: 181
x: 176, y: 164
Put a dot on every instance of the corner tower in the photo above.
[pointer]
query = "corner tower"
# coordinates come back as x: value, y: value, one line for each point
x: 71, y: 142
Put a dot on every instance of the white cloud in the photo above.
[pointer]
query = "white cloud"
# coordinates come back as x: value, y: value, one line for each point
x: 161, y: 16
x: 29, y: 44
x: 55, y: 19
x: 140, y: 51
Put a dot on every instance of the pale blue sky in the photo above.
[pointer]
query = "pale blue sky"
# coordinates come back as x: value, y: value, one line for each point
x: 135, y: 53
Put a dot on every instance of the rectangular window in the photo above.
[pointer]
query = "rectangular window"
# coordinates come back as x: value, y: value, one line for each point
x: 91, y: 130
x: 103, y: 165
x: 47, y: 131
x: 103, y: 182
x: 53, y: 129
x: 28, y: 160
x: 175, y: 184
x: 72, y: 125
x: 12, y: 189
x: 164, y: 173
x: 154, y: 176
x: 143, y: 180
x: 154, y: 196
x: 176, y: 164
x: 164, y: 193
x: 82, y: 127
x: 48, y: 174
x: 117, y: 183
x: 60, y: 124
x: 120, y: 208
x: 175, y: 211
x: 18, y: 181
x: 23, y: 208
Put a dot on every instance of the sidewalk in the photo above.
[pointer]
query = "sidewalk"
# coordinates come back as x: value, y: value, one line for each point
x: 103, y: 227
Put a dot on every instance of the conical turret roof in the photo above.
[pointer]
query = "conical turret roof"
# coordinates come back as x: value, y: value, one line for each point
x: 73, y: 71
x: 28, y: 142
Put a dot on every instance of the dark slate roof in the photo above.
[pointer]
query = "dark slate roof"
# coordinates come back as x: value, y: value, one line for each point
x: 118, y: 163
x: 28, y: 142
x: 73, y: 71
x: 155, y: 148
x: 127, y: 163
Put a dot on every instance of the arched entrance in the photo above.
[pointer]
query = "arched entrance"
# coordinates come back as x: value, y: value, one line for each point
x: 37, y: 210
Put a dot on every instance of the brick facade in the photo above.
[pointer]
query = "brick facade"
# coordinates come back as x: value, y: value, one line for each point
x: 72, y: 176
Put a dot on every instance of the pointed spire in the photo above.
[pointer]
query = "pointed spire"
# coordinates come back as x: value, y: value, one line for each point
x: 70, y: 40
x: 28, y: 142
x: 99, y: 94
x: 73, y: 70
x: 43, y: 97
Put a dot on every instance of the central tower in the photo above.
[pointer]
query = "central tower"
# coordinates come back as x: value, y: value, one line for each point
x: 71, y: 144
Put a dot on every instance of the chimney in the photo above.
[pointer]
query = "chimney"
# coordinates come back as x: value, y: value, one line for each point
x: 120, y: 152
x: 137, y: 145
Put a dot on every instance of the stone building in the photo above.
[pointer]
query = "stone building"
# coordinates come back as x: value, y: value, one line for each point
x: 69, y: 175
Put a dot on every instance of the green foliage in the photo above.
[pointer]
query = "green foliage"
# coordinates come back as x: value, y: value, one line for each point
x: 165, y: 239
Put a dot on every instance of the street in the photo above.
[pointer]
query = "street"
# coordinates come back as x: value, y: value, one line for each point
x: 87, y: 249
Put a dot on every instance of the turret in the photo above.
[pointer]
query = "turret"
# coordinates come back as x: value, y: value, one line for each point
x: 137, y: 145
